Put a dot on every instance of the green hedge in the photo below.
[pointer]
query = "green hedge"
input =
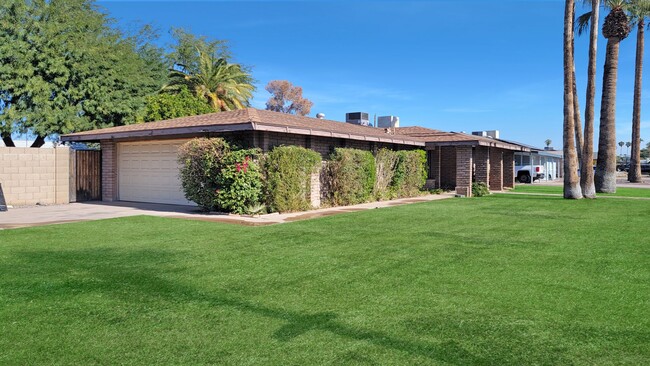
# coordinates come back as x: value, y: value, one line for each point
x: 385, y: 163
x: 350, y: 176
x: 287, y: 171
x: 410, y: 173
x: 219, y: 178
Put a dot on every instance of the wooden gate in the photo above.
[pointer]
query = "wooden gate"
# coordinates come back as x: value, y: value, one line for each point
x: 88, y: 175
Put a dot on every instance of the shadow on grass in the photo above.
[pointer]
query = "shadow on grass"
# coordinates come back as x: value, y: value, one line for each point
x: 134, y: 276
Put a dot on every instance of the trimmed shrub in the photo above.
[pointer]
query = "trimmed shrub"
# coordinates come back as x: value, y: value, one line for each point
x: 287, y: 171
x: 410, y: 173
x: 385, y: 163
x: 350, y: 176
x: 201, y: 163
x: 239, y: 186
x: 480, y: 189
x: 218, y: 178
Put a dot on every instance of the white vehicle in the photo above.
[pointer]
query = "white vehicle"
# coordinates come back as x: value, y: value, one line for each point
x: 524, y: 173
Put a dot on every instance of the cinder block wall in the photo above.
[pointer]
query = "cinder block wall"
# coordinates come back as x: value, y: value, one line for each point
x: 30, y: 175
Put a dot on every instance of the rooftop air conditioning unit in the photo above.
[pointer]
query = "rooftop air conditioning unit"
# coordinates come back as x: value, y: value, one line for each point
x: 493, y: 134
x: 480, y: 133
x: 357, y: 118
x: 387, y: 122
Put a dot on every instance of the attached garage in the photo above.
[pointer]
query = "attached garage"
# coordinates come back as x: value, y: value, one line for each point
x: 148, y: 172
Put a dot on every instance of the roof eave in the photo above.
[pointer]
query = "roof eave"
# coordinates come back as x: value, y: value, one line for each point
x: 163, y: 132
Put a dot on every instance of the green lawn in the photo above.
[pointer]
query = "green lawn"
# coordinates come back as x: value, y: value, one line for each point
x: 498, y: 280
x: 621, y: 191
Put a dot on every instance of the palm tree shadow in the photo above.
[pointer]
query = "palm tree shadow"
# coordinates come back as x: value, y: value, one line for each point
x: 143, y: 274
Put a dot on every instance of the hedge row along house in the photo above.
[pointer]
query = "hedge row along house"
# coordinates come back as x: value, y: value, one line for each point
x: 139, y: 162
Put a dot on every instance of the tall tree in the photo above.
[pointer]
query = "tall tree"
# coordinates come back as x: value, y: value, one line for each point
x: 640, y: 9
x: 571, y: 179
x: 587, y: 156
x: 225, y: 86
x: 63, y: 68
x: 615, y: 29
x: 287, y: 98
x: 164, y: 106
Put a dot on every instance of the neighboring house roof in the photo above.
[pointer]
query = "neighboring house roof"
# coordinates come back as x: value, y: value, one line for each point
x: 537, y: 150
x: 442, y: 138
x: 242, y: 120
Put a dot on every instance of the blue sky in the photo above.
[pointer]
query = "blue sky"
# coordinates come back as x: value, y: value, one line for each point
x: 451, y: 65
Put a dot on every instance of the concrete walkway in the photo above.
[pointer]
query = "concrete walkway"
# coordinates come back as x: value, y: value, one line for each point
x: 75, y: 212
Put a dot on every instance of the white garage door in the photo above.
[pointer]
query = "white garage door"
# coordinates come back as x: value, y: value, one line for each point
x: 148, y: 172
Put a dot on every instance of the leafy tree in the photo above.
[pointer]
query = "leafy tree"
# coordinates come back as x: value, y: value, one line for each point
x: 187, y: 47
x: 166, y: 106
x: 64, y: 69
x: 225, y: 86
x: 287, y: 98
x: 548, y: 142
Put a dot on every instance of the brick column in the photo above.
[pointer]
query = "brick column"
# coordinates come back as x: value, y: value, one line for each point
x: 464, y: 170
x: 482, y: 163
x: 109, y: 170
x: 496, y: 170
x: 315, y: 189
x: 508, y: 169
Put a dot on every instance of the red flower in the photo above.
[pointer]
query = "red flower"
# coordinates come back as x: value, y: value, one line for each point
x: 238, y: 167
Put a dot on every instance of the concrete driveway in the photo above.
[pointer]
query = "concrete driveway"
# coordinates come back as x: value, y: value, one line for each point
x: 74, y: 212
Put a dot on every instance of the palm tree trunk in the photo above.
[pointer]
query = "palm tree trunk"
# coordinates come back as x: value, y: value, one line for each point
x: 571, y: 180
x: 634, y: 174
x: 577, y: 122
x: 6, y: 138
x: 587, y: 160
x: 605, y: 177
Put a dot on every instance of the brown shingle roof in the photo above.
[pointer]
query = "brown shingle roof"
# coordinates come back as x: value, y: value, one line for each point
x: 437, y: 137
x: 246, y: 119
x: 263, y: 120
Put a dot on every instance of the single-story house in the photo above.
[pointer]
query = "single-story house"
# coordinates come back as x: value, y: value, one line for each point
x: 139, y: 162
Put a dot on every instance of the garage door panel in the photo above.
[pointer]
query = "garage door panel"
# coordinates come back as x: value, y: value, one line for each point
x: 148, y: 172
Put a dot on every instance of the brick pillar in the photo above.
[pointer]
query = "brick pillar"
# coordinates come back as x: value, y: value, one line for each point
x: 315, y: 189
x: 109, y: 170
x: 496, y: 170
x: 508, y: 169
x: 464, y: 170
x: 482, y: 163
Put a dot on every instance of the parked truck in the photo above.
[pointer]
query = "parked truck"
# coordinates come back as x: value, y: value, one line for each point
x: 528, y: 174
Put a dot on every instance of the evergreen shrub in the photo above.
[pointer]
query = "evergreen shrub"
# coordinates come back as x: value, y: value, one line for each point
x: 410, y: 173
x: 287, y: 172
x: 350, y: 176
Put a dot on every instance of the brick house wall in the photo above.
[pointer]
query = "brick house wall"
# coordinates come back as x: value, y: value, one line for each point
x: 109, y: 170
x: 496, y: 169
x: 508, y: 169
x: 464, y: 162
x: 482, y: 164
x: 447, y: 167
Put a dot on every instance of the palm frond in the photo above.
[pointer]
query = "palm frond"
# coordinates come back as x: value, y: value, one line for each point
x: 582, y: 23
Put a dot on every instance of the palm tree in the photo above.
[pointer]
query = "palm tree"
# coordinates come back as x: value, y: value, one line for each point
x: 548, y: 142
x: 587, y: 161
x: 225, y: 86
x: 615, y: 29
x: 640, y: 10
x: 571, y: 179
x: 621, y: 144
